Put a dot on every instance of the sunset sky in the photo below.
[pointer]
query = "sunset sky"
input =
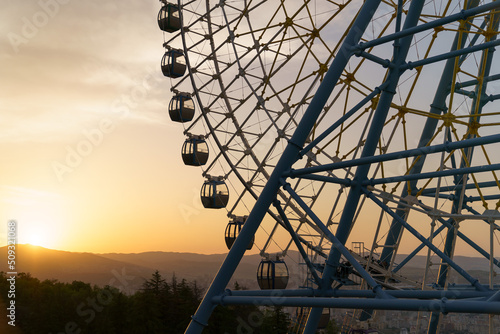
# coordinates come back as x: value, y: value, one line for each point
x: 90, y: 159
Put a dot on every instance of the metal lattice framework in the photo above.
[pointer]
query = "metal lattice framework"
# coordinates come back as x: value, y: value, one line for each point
x: 339, y: 121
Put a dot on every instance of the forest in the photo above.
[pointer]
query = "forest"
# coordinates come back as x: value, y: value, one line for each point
x: 159, y: 307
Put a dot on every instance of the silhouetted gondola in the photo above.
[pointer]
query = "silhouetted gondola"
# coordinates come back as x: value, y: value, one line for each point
x: 173, y: 63
x: 214, y: 193
x: 233, y: 228
x: 169, y: 18
x: 195, y: 151
x: 272, y: 274
x: 181, y: 108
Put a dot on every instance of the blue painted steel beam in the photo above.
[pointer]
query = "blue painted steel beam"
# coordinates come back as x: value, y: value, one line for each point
x: 416, y: 152
x: 474, y: 82
x: 452, y: 293
x: 453, y: 197
x: 464, y: 92
x: 451, y: 54
x: 463, y: 15
x: 443, y: 305
x: 482, y: 185
x: 385, y: 63
x: 471, y: 199
x: 429, y: 175
x: 492, y: 98
x: 403, y: 178
x: 328, y: 179
x: 411, y: 177
x: 443, y: 196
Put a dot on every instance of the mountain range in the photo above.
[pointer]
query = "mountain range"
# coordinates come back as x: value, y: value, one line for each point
x: 125, y: 271
x: 128, y: 271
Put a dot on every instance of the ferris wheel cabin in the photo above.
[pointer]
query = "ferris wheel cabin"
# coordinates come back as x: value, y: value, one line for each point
x: 233, y: 229
x: 173, y: 63
x: 214, y: 194
x: 181, y: 108
x: 195, y: 151
x: 272, y: 274
x: 169, y: 18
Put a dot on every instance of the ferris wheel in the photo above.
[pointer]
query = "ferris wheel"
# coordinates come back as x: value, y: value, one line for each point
x: 323, y: 126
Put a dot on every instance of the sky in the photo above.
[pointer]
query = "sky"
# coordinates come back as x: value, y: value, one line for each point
x: 90, y: 159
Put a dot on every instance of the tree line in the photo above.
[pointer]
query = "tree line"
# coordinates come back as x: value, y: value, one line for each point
x: 159, y: 307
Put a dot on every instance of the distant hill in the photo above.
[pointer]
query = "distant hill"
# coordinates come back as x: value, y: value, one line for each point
x: 128, y: 271
x: 45, y: 263
x: 191, y: 266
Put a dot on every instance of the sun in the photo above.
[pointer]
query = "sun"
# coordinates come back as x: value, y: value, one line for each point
x: 37, y: 237
x: 40, y: 215
x: 35, y: 240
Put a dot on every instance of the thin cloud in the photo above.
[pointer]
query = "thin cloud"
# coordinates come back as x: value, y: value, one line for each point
x: 69, y: 72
